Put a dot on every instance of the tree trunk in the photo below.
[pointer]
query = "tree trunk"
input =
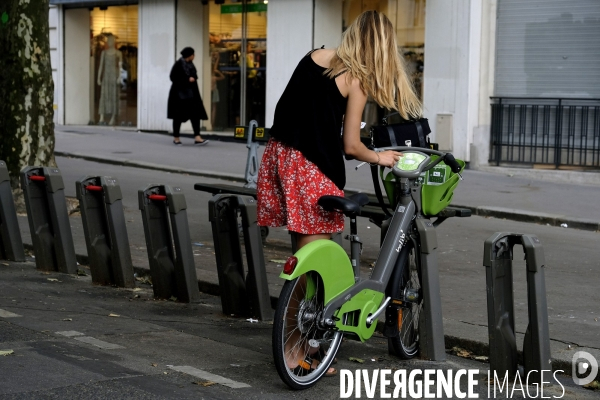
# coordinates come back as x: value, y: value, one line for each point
x: 26, y: 88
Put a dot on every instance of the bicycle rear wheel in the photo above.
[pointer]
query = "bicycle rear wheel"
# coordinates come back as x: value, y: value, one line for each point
x: 406, y: 287
x: 302, y: 351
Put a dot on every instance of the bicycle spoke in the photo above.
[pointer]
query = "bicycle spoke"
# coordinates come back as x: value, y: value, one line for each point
x: 296, y: 324
x: 300, y: 332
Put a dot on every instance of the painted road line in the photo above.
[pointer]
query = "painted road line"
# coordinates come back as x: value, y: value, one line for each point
x: 207, y: 376
x: 7, y: 314
x: 69, y: 333
x: 98, y: 343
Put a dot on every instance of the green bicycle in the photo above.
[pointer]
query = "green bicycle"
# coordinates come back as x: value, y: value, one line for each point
x: 324, y: 298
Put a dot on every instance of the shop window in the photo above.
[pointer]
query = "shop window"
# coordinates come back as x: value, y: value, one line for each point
x: 237, y: 99
x: 114, y: 47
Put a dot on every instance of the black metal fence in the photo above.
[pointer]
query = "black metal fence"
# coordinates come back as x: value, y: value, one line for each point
x: 551, y: 131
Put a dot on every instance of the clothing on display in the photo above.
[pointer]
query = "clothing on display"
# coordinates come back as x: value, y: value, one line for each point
x: 109, y: 78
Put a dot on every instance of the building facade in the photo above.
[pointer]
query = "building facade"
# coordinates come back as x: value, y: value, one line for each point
x: 463, y: 55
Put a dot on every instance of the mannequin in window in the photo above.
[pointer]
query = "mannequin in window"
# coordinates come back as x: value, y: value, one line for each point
x: 109, y: 78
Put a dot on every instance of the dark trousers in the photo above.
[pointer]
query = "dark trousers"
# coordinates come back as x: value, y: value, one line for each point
x: 177, y: 127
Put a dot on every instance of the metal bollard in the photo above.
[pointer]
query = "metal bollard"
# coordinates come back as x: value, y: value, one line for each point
x: 51, y: 235
x: 105, y: 230
x: 168, y: 242
x: 431, y: 327
x: 11, y: 244
x: 240, y: 294
x: 497, y: 258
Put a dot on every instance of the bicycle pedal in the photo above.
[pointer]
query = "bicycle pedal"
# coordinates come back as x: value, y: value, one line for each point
x: 306, y: 363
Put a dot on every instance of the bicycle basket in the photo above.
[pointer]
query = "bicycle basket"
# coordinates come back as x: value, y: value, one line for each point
x: 437, y: 187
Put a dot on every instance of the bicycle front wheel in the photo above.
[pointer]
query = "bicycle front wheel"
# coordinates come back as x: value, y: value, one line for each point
x: 302, y: 351
x: 406, y: 287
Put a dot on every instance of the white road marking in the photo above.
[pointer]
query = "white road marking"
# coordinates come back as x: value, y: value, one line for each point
x: 7, y: 314
x: 70, y: 333
x: 98, y: 343
x: 207, y: 376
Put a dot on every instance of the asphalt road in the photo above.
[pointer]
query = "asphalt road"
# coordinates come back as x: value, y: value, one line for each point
x: 72, y: 340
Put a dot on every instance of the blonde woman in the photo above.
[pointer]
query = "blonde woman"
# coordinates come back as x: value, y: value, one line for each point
x: 328, y: 90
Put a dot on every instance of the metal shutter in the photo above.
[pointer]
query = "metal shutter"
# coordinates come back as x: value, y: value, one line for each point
x: 548, y: 48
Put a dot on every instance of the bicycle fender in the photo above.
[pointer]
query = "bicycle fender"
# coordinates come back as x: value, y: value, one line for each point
x: 330, y: 261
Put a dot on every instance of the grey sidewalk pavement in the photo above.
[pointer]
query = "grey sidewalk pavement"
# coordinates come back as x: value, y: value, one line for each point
x: 572, y: 255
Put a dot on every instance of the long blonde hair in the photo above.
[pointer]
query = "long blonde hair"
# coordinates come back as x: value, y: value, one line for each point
x: 369, y: 53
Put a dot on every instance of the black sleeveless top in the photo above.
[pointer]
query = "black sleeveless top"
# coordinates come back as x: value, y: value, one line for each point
x: 308, y: 117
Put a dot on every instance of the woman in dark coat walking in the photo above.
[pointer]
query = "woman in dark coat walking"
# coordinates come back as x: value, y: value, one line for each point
x: 184, y: 97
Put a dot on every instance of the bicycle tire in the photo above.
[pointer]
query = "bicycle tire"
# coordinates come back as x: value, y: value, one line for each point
x: 407, y: 275
x: 293, y: 292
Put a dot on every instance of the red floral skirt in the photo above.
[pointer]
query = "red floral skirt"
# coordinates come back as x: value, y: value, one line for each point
x: 289, y: 187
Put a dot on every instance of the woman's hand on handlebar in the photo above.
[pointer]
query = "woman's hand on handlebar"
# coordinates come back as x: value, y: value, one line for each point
x: 388, y: 158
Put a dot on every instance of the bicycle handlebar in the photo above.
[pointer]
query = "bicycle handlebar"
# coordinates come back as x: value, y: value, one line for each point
x: 405, y: 148
x: 448, y: 158
x: 452, y: 163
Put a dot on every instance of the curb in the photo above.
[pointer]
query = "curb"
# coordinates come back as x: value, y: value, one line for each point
x: 206, y: 287
x: 482, y: 211
x: 450, y: 341
x: 533, y: 217
x: 155, y: 167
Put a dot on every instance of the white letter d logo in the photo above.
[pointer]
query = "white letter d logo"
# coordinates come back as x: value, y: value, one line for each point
x: 583, y: 367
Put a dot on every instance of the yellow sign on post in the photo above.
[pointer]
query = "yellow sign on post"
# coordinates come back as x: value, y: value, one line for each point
x: 240, y: 132
x: 260, y: 134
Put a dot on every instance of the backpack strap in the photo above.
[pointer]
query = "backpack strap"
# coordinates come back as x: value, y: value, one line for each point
x: 378, y: 191
x: 422, y: 142
x: 392, y: 136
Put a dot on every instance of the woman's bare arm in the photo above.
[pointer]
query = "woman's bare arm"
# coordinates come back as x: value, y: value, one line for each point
x: 357, y: 99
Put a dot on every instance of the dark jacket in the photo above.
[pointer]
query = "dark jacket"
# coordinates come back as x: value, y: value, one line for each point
x: 184, y: 97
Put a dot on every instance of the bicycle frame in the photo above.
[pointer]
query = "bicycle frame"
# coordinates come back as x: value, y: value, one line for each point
x: 353, y: 307
x: 341, y: 291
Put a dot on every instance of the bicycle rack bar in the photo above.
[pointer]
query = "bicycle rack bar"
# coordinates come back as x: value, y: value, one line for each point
x: 168, y: 243
x: 241, y: 294
x: 43, y: 189
x: 497, y: 258
x: 431, y: 328
x: 11, y: 244
x: 105, y: 231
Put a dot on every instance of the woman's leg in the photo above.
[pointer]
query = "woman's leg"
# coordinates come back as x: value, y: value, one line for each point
x: 302, y: 239
x: 196, y: 128
x: 176, y: 128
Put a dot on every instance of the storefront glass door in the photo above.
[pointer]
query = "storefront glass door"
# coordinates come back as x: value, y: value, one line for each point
x: 238, y: 48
